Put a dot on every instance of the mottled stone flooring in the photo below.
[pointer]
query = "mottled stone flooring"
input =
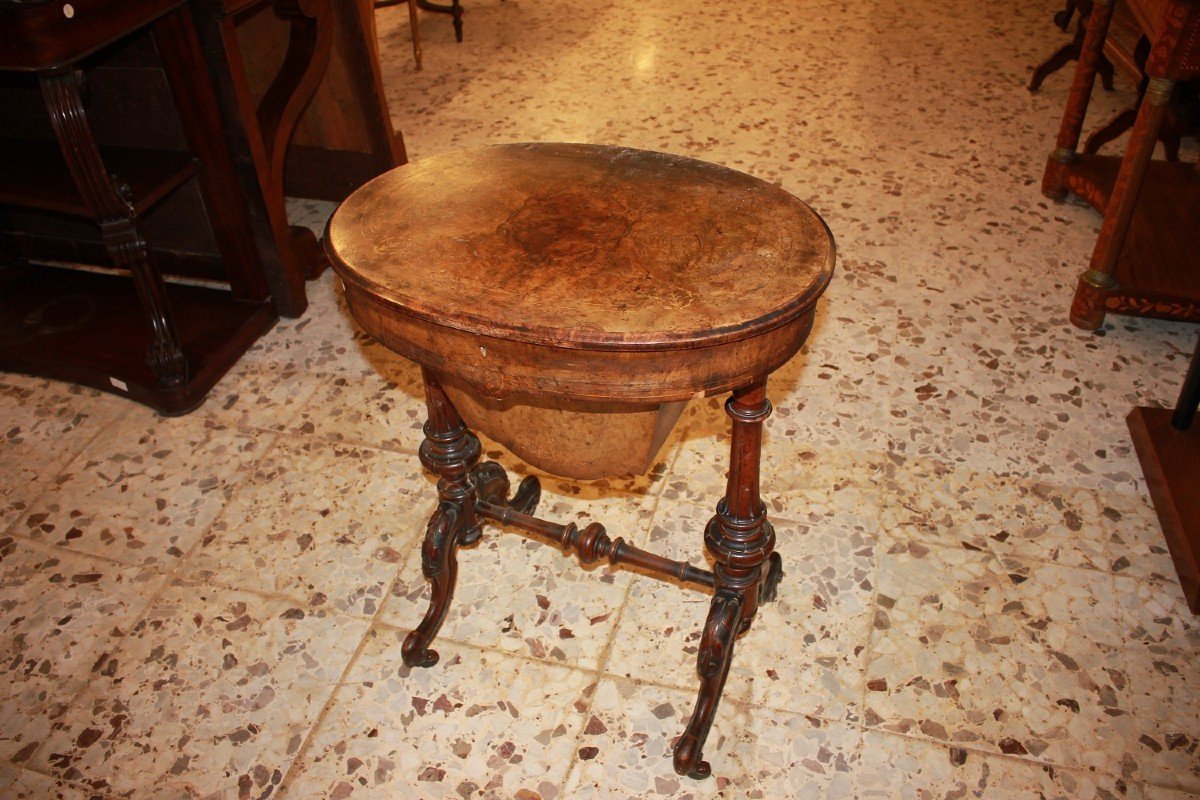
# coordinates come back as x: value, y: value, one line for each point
x: 978, y: 602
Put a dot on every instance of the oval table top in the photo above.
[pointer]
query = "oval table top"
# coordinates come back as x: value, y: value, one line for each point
x: 583, y: 246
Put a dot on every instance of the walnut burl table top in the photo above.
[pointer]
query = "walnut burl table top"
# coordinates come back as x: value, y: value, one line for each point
x: 582, y: 272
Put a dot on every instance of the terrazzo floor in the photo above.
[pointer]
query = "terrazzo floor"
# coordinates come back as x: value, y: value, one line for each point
x: 978, y: 601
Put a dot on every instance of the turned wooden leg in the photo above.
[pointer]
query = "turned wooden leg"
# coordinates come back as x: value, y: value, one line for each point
x: 450, y: 451
x: 105, y: 198
x: 414, y: 25
x: 1087, y: 307
x: 1054, y: 180
x: 456, y: 12
x: 742, y: 541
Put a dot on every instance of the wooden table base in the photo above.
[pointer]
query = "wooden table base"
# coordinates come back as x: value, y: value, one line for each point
x: 739, y: 538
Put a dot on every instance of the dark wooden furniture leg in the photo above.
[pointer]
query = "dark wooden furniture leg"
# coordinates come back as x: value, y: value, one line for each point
x: 1071, y: 51
x: 1054, y: 181
x: 1087, y: 307
x: 454, y: 10
x: 62, y: 93
x: 741, y: 540
x: 450, y: 451
x: 309, y: 47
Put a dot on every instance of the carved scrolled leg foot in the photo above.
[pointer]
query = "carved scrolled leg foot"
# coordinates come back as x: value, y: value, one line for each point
x: 492, y: 485
x: 450, y: 451
x: 742, y: 542
x: 712, y: 662
x: 527, y: 496
x: 439, y: 565
x: 768, y: 588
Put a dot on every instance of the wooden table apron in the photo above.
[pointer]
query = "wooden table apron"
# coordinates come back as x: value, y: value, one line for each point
x: 593, y: 275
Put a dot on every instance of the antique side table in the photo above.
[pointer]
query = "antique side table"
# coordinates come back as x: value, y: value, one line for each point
x: 587, y: 280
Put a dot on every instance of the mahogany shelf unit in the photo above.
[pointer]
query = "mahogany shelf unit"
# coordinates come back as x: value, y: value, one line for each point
x: 1156, y: 274
x: 33, y: 174
x: 88, y: 327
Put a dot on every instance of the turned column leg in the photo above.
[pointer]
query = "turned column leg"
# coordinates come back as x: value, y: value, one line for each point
x: 456, y: 14
x: 62, y: 94
x: 1054, y: 180
x: 450, y: 451
x: 1087, y: 307
x: 742, y: 541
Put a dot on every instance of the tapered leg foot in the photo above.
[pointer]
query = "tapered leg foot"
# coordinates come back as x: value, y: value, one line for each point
x: 1088, y: 305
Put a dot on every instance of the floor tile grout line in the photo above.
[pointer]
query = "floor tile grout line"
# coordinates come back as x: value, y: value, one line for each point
x: 606, y: 653
x: 53, y: 477
x: 327, y: 706
x: 989, y: 754
x: 166, y: 576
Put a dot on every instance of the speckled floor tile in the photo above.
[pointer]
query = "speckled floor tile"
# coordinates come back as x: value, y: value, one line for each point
x: 901, y: 768
x: 1154, y: 613
x: 973, y: 559
x: 62, y: 614
x: 518, y: 594
x: 803, y: 652
x: 626, y: 749
x: 476, y: 724
x: 323, y: 523
x: 1161, y: 793
x: 45, y: 425
x: 1166, y: 712
x: 796, y: 478
x: 1012, y: 515
x: 145, y: 490
x: 265, y: 395
x: 21, y: 784
x: 1015, y: 657
x: 210, y: 695
x: 382, y: 406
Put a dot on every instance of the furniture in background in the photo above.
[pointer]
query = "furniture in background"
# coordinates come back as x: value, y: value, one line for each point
x: 454, y: 9
x: 195, y: 127
x: 129, y: 331
x: 304, y: 107
x: 1144, y: 260
x: 1168, y: 446
x: 414, y: 25
x: 563, y: 281
x: 1070, y: 51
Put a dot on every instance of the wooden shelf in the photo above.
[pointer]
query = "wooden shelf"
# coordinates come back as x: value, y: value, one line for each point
x: 1171, y: 463
x: 89, y: 328
x: 1157, y: 273
x: 34, y: 174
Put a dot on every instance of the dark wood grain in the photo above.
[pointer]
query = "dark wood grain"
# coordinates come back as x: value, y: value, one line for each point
x: 33, y: 174
x: 87, y: 328
x: 37, y: 37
